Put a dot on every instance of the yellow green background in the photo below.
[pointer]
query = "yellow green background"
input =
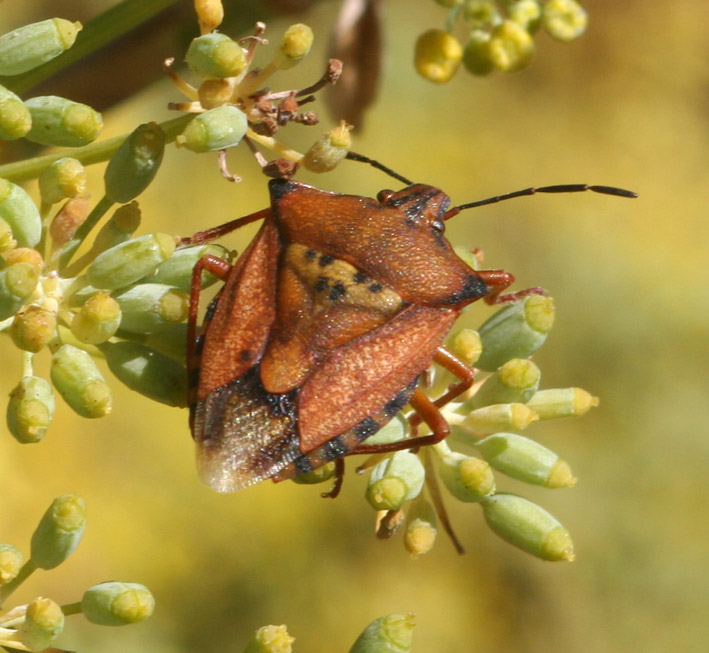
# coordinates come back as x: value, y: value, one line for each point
x: 624, y: 105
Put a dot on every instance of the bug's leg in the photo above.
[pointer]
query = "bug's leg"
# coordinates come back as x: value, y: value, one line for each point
x: 216, y: 232
x: 339, y: 478
x: 499, y: 280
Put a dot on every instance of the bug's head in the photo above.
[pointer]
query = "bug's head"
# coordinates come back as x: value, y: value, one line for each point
x: 423, y: 205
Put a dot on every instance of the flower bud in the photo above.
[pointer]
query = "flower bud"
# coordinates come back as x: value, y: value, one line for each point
x: 213, y: 93
x: 270, y: 639
x: 33, y: 328
x: 216, y: 129
x: 562, y: 402
x: 20, y: 212
x: 119, y: 228
x: 215, y: 55
x: 467, y: 478
x: 59, y: 531
x: 420, y: 533
x: 62, y: 179
x: 210, y: 14
x: 171, y: 341
x: 68, y: 219
x: 11, y: 560
x: 498, y: 417
x: 7, y: 240
x: 32, y: 45
x: 177, y: 270
x: 318, y: 475
x: 117, y: 604
x: 295, y: 44
x: 511, y: 48
x: 149, y: 307
x: 437, y: 55
x: 393, y: 633
x: 97, y: 320
x: 148, y: 372
x: 17, y: 283
x: 564, y: 20
x: 30, y: 409
x: 525, y: 460
x: 62, y: 122
x: 514, y: 382
x: 476, y: 55
x: 481, y: 14
x: 130, y: 261
x: 515, y: 331
x: 466, y: 345
x: 135, y: 163
x: 24, y: 255
x: 15, y: 118
x: 393, y: 431
x: 76, y: 377
x: 395, y: 480
x: 44, y: 622
x: 528, y: 527
x: 329, y: 150
x: 527, y: 14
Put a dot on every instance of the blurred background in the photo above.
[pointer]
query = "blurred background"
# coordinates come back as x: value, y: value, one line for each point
x: 625, y: 105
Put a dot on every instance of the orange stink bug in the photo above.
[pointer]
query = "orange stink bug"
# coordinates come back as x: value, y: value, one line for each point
x: 324, y: 325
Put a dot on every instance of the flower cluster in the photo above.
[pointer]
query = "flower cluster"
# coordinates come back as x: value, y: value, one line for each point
x: 500, y: 35
x: 36, y: 625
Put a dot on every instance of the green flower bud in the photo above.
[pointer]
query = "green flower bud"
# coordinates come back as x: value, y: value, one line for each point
x: 25, y: 255
x: 467, y: 478
x: 62, y: 179
x: 130, y: 261
x: 476, y: 55
x: 511, y: 48
x: 514, y: 382
x: 11, y: 560
x: 44, y: 622
x: 216, y: 129
x: 466, y: 345
x: 562, y: 402
x: 76, y: 377
x: 20, y: 212
x: 525, y: 460
x: 481, y: 14
x: 215, y: 55
x: 17, y: 283
x: 59, y: 531
x: 97, y: 320
x: 393, y: 431
x: 564, y: 20
x: 15, y: 118
x: 527, y: 14
x: 295, y: 44
x: 177, y: 270
x: 498, y: 417
x: 150, y: 307
x: 515, y: 331
x: 30, y: 409
x: 437, y: 55
x: 420, y: 533
x: 135, y: 163
x: 528, y: 527
x: 62, y: 122
x: 270, y: 639
x: 391, y: 634
x: 329, y: 150
x: 33, y: 328
x: 319, y: 475
x: 171, y: 341
x: 7, y: 240
x: 119, y: 228
x: 68, y: 219
x: 148, y: 372
x: 32, y: 45
x: 395, y: 480
x: 469, y: 256
x: 117, y: 604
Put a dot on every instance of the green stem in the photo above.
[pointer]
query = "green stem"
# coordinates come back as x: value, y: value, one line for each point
x: 108, y: 26
x: 72, y: 608
x: 25, y: 572
x: 20, y: 171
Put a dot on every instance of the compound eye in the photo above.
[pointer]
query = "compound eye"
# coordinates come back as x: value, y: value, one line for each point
x: 438, y: 225
x: 384, y: 196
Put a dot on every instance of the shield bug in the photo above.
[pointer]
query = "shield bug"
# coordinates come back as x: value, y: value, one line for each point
x: 324, y: 325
